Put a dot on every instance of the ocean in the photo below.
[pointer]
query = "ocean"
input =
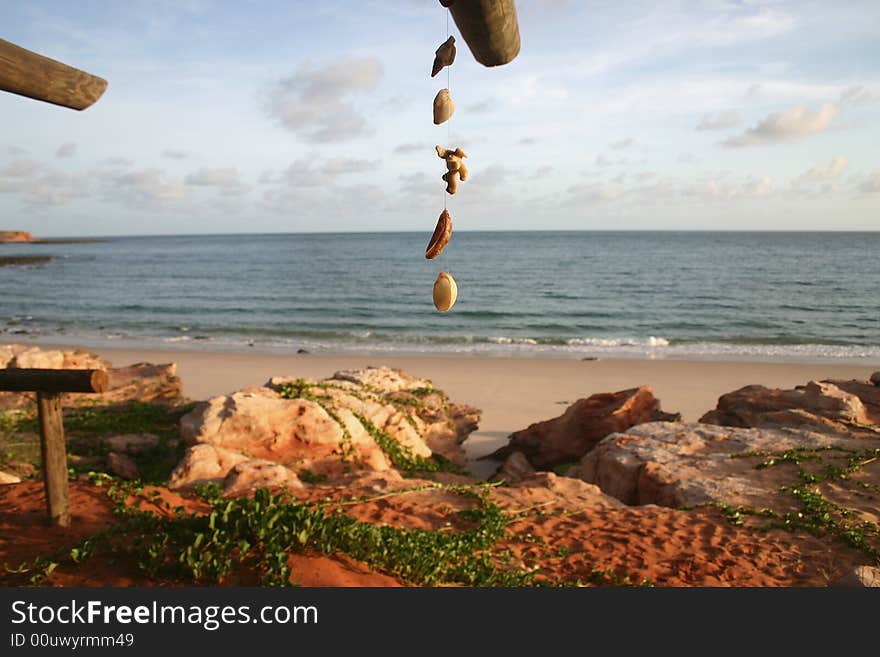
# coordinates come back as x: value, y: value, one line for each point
x: 727, y: 295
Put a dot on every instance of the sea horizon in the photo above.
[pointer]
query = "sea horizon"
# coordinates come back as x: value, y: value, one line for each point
x: 793, y: 296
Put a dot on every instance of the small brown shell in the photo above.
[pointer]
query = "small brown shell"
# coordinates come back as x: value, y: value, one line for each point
x: 441, y: 236
x: 444, y: 56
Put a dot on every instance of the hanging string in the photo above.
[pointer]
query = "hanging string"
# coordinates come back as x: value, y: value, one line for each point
x: 449, y: 120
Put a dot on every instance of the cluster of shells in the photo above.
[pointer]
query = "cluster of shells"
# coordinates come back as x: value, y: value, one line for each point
x: 445, y: 289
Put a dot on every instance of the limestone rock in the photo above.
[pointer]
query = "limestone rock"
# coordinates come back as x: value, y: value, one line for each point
x: 333, y: 427
x: 822, y: 406
x: 861, y: 577
x: 250, y: 475
x: 132, y: 443
x: 146, y: 382
x: 122, y: 465
x: 567, y: 438
x: 679, y: 464
x: 515, y: 468
x: 37, y: 358
x: 140, y: 382
x: 8, y: 478
x: 204, y: 464
x: 875, y: 378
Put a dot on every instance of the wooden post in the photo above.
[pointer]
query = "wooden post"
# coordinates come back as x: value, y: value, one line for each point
x: 489, y: 27
x: 28, y: 74
x: 54, y: 453
x: 49, y: 384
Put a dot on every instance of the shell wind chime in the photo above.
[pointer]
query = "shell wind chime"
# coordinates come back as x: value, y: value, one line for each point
x: 491, y: 31
x: 445, y: 288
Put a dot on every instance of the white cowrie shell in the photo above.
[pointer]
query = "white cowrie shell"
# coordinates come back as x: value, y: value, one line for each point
x: 445, y: 292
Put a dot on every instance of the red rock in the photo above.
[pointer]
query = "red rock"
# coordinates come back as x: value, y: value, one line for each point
x: 247, y: 476
x: 567, y: 438
x: 122, y: 466
x: 833, y: 407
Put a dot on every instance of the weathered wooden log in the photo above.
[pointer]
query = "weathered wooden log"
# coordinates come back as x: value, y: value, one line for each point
x: 489, y: 27
x: 54, y: 453
x: 51, y: 381
x: 28, y: 74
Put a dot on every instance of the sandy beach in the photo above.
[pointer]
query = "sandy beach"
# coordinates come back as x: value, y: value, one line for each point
x: 512, y: 392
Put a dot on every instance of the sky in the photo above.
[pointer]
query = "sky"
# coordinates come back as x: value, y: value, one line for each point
x: 260, y: 116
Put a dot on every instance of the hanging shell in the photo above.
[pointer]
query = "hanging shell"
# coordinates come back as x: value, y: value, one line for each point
x: 441, y: 236
x: 445, y: 292
x: 444, y: 56
x: 443, y: 106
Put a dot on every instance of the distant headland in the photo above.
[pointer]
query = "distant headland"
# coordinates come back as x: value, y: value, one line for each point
x: 9, y: 236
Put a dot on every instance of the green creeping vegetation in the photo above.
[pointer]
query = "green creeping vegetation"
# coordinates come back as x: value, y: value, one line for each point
x: 84, y: 426
x: 817, y: 514
x: 400, y: 455
x: 311, y: 477
x: 258, y: 534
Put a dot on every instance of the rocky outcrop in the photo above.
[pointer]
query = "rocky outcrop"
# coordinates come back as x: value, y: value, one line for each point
x: 355, y: 420
x: 131, y: 443
x: 861, y: 577
x: 9, y: 478
x: 204, y: 464
x: 144, y: 382
x: 15, y: 236
x: 683, y: 465
x: 567, y: 438
x: 875, y: 378
x: 122, y: 465
x: 250, y: 475
x: 833, y: 407
x: 515, y: 468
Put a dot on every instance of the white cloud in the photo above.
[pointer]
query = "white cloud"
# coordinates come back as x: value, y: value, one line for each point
x: 623, y: 143
x: 118, y: 162
x: 785, y: 126
x: 871, y: 184
x: 824, y: 172
x: 226, y: 180
x: 317, y: 103
x: 411, y: 147
x: 175, y: 154
x: 150, y: 188
x: 720, y: 121
x: 343, y: 165
x: 22, y: 168
x: 66, y: 150
x: 856, y: 95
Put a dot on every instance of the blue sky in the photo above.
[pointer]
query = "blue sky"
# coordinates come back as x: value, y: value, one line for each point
x: 243, y: 116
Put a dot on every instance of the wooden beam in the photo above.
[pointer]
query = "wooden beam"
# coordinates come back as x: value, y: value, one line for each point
x: 489, y: 27
x: 53, y: 381
x: 54, y: 453
x: 28, y: 74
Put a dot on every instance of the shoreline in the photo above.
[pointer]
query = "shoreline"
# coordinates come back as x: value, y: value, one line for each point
x: 487, y: 350
x: 512, y: 392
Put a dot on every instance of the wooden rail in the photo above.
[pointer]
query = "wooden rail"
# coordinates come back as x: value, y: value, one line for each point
x: 28, y: 74
x: 49, y: 384
x: 489, y: 27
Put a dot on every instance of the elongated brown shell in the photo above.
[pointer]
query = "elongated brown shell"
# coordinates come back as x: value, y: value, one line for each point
x: 445, y: 292
x: 441, y: 236
x: 444, y: 56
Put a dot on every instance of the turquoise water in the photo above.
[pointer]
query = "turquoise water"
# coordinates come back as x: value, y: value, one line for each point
x: 801, y: 296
